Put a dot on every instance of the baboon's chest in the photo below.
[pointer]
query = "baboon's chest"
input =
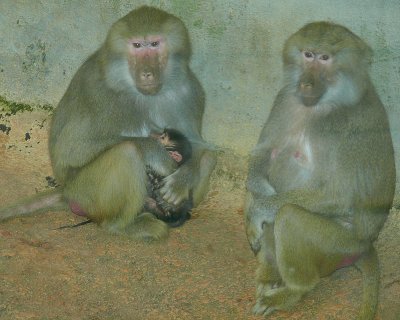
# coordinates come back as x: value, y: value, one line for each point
x: 291, y: 163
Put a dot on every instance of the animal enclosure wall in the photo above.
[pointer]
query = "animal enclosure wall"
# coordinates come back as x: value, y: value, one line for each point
x: 236, y: 52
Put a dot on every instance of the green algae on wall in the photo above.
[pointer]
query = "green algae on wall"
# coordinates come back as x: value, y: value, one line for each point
x: 12, y: 108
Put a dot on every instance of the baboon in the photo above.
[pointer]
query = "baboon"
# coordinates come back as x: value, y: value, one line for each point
x: 321, y: 178
x: 137, y: 82
x: 180, y: 149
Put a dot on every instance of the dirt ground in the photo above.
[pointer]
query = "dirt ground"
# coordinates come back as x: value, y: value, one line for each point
x: 205, y: 270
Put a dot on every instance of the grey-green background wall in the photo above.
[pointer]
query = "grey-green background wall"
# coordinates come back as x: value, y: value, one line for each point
x: 236, y: 45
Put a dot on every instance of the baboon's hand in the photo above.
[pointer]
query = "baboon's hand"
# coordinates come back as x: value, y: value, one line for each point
x: 176, y: 188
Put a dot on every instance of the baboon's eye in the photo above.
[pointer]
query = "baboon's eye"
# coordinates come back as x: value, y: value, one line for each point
x: 308, y: 55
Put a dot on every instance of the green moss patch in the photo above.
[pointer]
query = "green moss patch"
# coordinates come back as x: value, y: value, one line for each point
x: 12, y: 108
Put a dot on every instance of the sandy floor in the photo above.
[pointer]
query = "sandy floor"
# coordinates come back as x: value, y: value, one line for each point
x: 205, y: 270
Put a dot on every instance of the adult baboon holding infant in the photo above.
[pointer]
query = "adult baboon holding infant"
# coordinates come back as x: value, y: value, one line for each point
x: 139, y: 80
x: 321, y: 179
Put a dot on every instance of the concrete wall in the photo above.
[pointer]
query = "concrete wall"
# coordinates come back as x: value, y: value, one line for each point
x: 237, y: 46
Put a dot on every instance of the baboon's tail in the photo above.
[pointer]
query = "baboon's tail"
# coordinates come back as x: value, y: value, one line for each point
x: 40, y: 203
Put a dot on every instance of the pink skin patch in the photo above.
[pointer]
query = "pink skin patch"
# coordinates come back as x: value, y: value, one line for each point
x: 175, y: 155
x: 147, y: 47
x: 348, y: 261
x: 76, y: 208
x: 275, y: 153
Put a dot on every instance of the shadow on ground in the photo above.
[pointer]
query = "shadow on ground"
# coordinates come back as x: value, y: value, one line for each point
x: 205, y: 270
